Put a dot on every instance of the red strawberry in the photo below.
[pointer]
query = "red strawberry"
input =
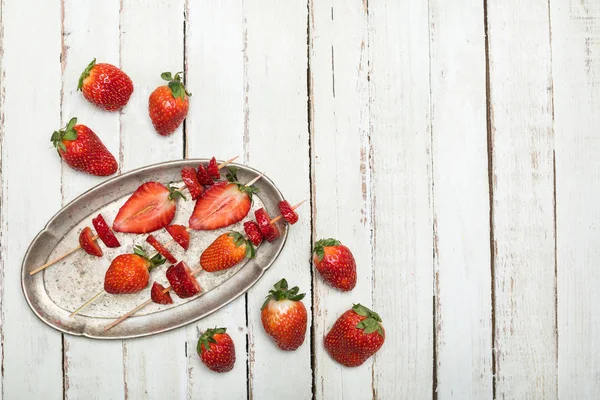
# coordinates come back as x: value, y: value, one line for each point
x: 216, y: 350
x: 335, y: 263
x: 168, y: 105
x: 88, y: 244
x: 105, y: 86
x: 190, y: 178
x: 284, y: 316
x: 253, y: 232
x: 151, y: 207
x: 213, y: 169
x: 183, y: 283
x: 83, y: 151
x: 226, y: 251
x: 162, y: 250
x: 128, y: 273
x: 180, y: 234
x: 204, y: 177
x: 105, y: 233
x: 288, y: 212
x: 268, y: 230
x: 355, y: 336
x: 158, y: 295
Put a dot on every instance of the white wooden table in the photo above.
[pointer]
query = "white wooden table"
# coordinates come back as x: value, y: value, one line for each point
x: 454, y: 146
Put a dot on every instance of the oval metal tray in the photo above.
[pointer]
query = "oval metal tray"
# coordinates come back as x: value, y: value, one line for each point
x: 54, y: 293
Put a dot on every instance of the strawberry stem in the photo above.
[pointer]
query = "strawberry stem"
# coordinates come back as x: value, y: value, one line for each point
x: 176, y: 85
x: 154, y: 261
x: 67, y: 133
x: 280, y: 292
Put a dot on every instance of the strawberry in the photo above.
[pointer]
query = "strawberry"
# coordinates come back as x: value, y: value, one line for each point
x: 180, y: 234
x: 288, y: 212
x: 226, y: 251
x: 158, y: 295
x: 268, y: 230
x: 88, y: 244
x: 216, y: 350
x: 83, y: 151
x: 162, y: 250
x: 183, y: 283
x: 335, y: 263
x: 105, y: 86
x: 190, y: 178
x: 168, y: 105
x: 284, y: 316
x: 105, y: 233
x: 213, y: 169
x: 128, y: 273
x: 151, y: 207
x: 355, y: 336
x: 204, y: 177
x: 253, y: 232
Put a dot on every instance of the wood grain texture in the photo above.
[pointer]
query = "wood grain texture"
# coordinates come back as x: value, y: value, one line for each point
x: 576, y: 73
x: 403, y: 230
x: 32, y: 357
x: 276, y: 37
x: 339, y: 65
x: 460, y: 201
x: 521, y: 136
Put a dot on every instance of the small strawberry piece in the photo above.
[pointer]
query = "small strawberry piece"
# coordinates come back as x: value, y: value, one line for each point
x: 204, y: 177
x: 190, y: 178
x: 82, y: 150
x: 168, y: 105
x: 226, y: 251
x: 213, y: 169
x: 216, y: 350
x: 269, y: 231
x: 288, y: 212
x: 355, y: 336
x: 88, y: 244
x: 180, y: 234
x: 151, y: 207
x: 105, y: 86
x: 335, y: 263
x: 162, y: 250
x: 284, y: 316
x: 128, y: 273
x: 253, y: 232
x: 106, y: 234
x: 158, y: 295
x: 183, y: 283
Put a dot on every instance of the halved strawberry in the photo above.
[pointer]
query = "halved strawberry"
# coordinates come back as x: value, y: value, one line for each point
x: 151, y: 207
x: 269, y: 231
x: 253, y: 232
x: 105, y: 233
x: 213, y: 169
x: 162, y: 250
x: 288, y: 212
x: 183, y: 283
x: 204, y: 177
x: 158, y: 295
x: 180, y: 234
x: 87, y: 242
x: 190, y: 178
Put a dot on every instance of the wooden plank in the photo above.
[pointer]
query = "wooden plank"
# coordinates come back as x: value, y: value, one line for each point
x: 576, y: 73
x: 460, y: 201
x: 30, y: 111
x: 403, y: 223
x: 89, y: 32
x: 277, y: 131
x: 215, y: 127
x: 339, y: 65
x: 521, y: 138
x: 151, y: 42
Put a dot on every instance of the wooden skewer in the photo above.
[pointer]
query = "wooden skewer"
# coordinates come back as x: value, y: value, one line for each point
x: 49, y: 263
x: 167, y: 289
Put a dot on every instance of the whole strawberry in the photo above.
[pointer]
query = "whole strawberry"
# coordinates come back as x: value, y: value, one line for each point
x: 105, y: 86
x: 355, y: 336
x: 128, y: 273
x: 284, y: 316
x: 83, y: 151
x: 335, y: 263
x: 168, y: 105
x: 226, y: 251
x: 216, y: 350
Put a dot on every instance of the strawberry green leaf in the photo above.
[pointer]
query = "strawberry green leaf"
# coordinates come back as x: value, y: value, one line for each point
x: 71, y: 124
x: 175, y: 194
x: 232, y: 174
x: 320, y: 245
x: 166, y: 76
x: 85, y: 74
x: 70, y: 135
x: 280, y: 292
x: 207, y: 338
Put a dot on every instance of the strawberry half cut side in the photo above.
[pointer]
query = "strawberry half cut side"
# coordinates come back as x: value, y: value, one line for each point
x: 105, y: 233
x: 180, y: 234
x: 253, y: 232
x: 288, y: 212
x: 190, y: 178
x: 162, y: 250
x: 159, y: 296
x: 183, y: 283
x: 88, y: 244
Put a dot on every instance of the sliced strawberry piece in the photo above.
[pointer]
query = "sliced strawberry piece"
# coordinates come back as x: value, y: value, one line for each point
x: 183, y: 283
x: 106, y: 234
x: 270, y: 232
x: 213, y: 169
x: 87, y: 242
x: 162, y: 250
x: 158, y: 295
x: 253, y: 232
x: 180, y: 234
x: 190, y: 178
x: 221, y: 205
x: 204, y: 177
x: 288, y: 212
x: 151, y: 207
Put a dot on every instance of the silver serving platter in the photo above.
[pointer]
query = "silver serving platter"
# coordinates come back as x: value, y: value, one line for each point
x: 55, y: 292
